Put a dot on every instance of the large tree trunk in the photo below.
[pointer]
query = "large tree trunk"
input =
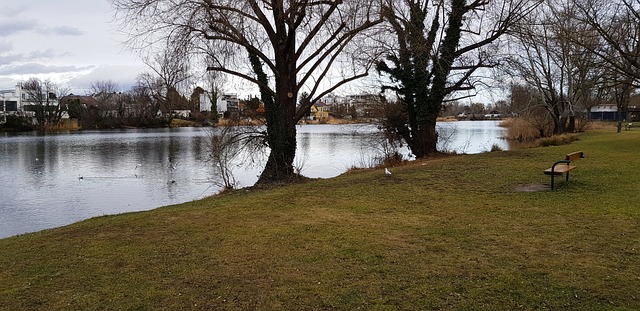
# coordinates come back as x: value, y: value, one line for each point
x: 571, y: 127
x: 558, y: 120
x: 281, y: 133
x: 281, y: 122
x: 424, y: 139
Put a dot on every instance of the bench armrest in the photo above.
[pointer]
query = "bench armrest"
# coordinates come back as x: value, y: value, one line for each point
x: 567, y: 162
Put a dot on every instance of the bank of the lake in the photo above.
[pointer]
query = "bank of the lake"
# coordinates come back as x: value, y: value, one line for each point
x: 451, y: 233
x: 51, y: 180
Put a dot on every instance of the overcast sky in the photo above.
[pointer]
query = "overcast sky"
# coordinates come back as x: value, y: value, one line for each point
x: 71, y: 42
x: 74, y: 43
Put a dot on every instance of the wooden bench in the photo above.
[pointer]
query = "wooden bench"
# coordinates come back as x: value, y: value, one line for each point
x: 563, y: 166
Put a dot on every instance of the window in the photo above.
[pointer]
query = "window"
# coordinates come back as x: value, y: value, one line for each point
x: 11, y: 106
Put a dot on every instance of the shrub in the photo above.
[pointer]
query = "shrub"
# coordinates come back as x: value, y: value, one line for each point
x: 17, y: 123
x: 495, y: 148
x: 556, y: 140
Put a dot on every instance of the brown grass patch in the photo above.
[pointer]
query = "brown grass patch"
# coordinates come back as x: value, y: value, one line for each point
x: 64, y: 125
x: 599, y: 125
x: 519, y: 129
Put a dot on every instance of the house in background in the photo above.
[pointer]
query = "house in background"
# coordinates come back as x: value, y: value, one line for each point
x: 634, y: 113
x: 225, y: 103
x: 20, y: 101
x: 205, y: 102
x: 367, y: 105
x: 75, y: 104
x: 606, y: 112
x: 319, y: 111
x: 230, y: 102
x: 10, y: 101
x: 85, y: 101
x: 634, y: 108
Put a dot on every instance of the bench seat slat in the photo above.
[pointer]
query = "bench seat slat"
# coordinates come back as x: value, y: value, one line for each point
x: 559, y: 169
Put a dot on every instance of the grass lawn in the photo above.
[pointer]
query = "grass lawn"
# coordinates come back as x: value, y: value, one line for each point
x: 451, y: 233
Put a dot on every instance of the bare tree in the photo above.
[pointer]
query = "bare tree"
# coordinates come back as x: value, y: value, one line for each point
x: 528, y: 106
x: 154, y: 88
x: 42, y: 96
x: 224, y: 147
x: 617, y: 87
x: 105, y: 92
x: 440, y: 47
x: 299, y: 42
x: 214, y: 85
x: 230, y: 145
x: 171, y: 69
x: 617, y: 25
x: 545, y: 56
x: 140, y: 103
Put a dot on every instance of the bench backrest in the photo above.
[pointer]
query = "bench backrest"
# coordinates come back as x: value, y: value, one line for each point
x: 575, y: 156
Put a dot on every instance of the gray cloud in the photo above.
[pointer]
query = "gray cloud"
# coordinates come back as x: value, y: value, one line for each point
x: 11, y: 24
x: 8, y: 59
x: 5, y: 47
x: 12, y: 11
x: 12, y: 27
x: 35, y: 68
x: 8, y: 28
x: 7, y: 83
x: 124, y: 75
x: 61, y: 30
x: 46, y: 54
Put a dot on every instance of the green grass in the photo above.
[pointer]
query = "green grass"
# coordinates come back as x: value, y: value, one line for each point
x: 450, y: 233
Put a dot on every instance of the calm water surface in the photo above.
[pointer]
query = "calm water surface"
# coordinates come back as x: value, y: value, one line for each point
x: 57, y: 179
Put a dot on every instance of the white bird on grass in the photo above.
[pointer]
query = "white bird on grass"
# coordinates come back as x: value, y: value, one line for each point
x: 137, y: 165
x: 386, y: 171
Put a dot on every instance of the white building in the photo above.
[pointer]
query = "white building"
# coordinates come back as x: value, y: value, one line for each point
x: 205, y: 102
x: 332, y: 100
x: 606, y: 112
x: 11, y: 100
x: 366, y: 105
x: 20, y: 101
x: 226, y: 102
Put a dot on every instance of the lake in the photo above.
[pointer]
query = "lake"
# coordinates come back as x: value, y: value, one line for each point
x: 51, y: 180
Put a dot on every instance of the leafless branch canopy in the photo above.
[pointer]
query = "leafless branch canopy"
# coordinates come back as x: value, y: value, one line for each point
x: 483, y: 24
x: 322, y: 34
x: 617, y: 25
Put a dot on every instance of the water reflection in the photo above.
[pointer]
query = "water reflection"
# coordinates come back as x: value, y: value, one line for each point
x: 52, y: 180
x: 471, y: 136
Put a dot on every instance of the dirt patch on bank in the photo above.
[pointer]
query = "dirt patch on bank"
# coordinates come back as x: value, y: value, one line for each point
x: 533, y: 188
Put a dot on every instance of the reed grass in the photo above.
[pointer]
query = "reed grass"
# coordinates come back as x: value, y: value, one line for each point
x: 518, y: 129
x: 63, y: 126
x: 184, y: 123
